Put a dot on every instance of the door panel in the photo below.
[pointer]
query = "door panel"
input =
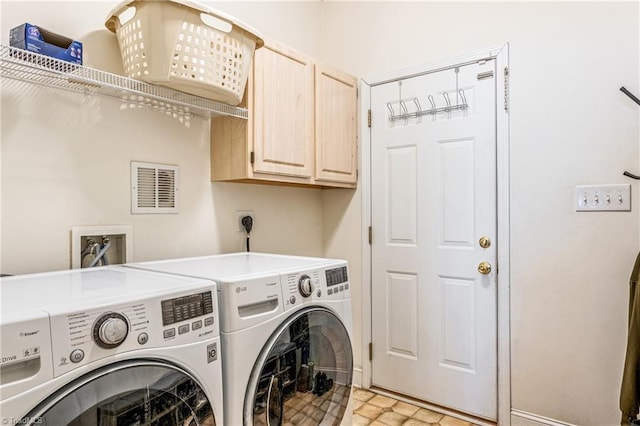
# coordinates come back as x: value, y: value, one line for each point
x: 455, y: 194
x: 283, y: 112
x: 433, y: 197
x: 458, y: 334
x: 402, y: 291
x: 401, y: 166
x: 336, y: 107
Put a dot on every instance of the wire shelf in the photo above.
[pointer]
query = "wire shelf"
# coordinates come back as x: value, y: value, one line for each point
x: 23, y: 65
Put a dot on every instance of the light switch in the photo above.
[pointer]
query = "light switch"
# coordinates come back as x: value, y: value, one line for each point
x: 607, y: 198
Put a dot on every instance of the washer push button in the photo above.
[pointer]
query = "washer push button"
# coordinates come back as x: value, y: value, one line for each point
x: 170, y: 332
x: 208, y: 321
x: 196, y: 325
x: 76, y: 355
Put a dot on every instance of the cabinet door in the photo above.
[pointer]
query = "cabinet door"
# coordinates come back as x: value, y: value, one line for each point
x: 283, y: 112
x: 336, y: 107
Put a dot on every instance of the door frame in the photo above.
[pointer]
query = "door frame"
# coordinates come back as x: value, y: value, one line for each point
x: 500, y: 54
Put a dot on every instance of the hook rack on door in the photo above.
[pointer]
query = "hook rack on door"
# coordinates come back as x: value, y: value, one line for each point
x: 399, y: 110
x: 636, y: 100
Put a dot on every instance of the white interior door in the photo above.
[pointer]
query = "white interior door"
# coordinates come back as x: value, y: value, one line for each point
x: 433, y: 197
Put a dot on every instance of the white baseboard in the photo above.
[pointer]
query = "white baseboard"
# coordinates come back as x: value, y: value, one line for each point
x: 522, y: 418
x: 357, y: 377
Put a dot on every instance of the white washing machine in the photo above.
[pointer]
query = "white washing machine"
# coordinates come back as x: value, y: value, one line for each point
x: 285, y: 325
x: 109, y: 346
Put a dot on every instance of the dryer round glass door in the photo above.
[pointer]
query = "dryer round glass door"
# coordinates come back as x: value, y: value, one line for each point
x: 303, y: 374
x: 128, y: 393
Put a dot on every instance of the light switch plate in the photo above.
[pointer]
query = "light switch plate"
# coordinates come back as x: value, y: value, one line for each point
x: 603, y: 198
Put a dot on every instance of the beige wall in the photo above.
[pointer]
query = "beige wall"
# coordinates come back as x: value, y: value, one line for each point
x: 65, y: 158
x: 569, y: 125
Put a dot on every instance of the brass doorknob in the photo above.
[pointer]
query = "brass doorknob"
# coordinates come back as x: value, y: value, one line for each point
x: 484, y: 242
x: 484, y: 268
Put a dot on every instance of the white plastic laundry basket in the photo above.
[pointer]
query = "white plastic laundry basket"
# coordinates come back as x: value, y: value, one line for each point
x: 186, y: 46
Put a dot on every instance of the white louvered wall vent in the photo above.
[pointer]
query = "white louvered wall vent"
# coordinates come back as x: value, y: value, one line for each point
x: 154, y: 188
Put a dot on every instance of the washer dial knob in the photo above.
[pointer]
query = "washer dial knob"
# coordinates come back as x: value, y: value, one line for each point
x: 305, y: 286
x: 110, y: 330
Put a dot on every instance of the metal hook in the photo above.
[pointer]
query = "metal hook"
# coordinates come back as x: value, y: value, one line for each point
x: 405, y: 112
x: 432, y: 111
x: 464, y: 98
x: 447, y: 109
x: 391, y: 114
x: 418, y: 110
x: 445, y: 95
x: 457, y: 71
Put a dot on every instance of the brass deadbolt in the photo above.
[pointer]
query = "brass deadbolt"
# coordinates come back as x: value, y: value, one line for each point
x: 485, y: 242
x: 484, y: 268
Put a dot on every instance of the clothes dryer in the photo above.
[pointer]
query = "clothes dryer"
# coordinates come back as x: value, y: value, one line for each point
x: 285, y: 328
x: 109, y: 346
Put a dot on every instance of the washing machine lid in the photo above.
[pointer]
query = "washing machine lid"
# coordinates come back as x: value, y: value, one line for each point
x: 84, y: 288
x: 235, y: 266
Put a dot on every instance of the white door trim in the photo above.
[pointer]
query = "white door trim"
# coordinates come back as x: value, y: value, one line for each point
x: 501, y: 55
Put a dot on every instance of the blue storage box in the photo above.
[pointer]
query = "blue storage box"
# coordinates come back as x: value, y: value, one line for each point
x: 37, y: 39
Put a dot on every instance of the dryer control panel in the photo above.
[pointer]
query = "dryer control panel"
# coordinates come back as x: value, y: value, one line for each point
x: 249, y: 302
x: 329, y: 284
x: 85, y: 336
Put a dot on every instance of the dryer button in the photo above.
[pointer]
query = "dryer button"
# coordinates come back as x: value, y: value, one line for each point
x: 208, y: 321
x: 292, y: 300
x: 76, y: 355
x: 196, y: 325
x: 183, y: 329
x: 143, y: 338
x: 171, y: 332
x: 212, y: 352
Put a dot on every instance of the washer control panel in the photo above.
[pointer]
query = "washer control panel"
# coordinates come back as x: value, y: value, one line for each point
x: 330, y: 283
x: 110, y: 330
x: 305, y: 285
x: 85, y: 336
x: 188, y: 314
x: 25, y: 355
x: 186, y: 308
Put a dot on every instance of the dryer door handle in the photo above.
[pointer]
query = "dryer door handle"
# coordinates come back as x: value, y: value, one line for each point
x: 273, y: 379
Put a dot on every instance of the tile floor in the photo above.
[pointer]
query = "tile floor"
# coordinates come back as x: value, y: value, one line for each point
x: 377, y: 410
